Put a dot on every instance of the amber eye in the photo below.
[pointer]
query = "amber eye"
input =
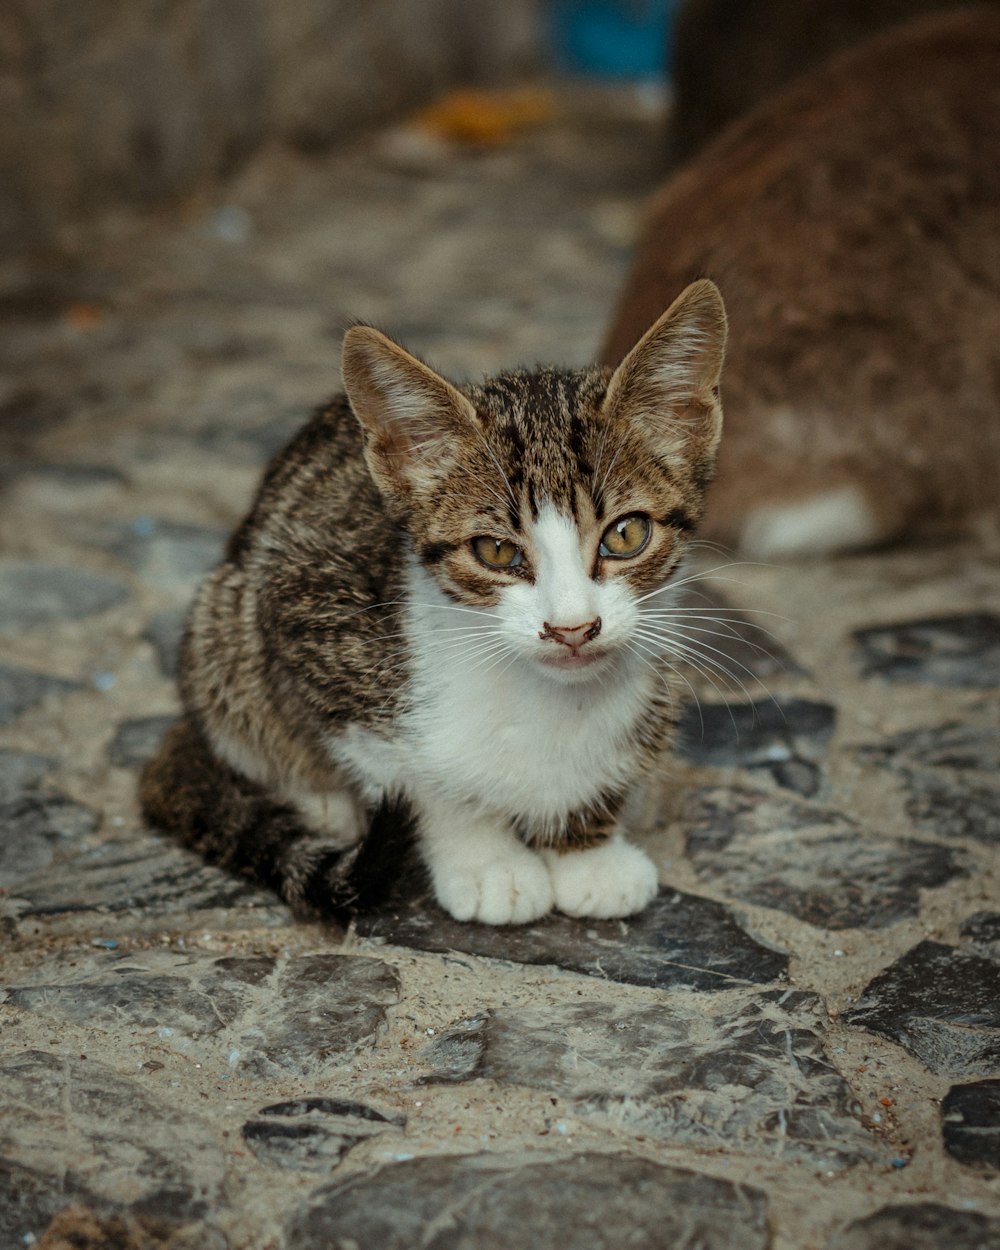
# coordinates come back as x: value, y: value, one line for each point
x: 497, y: 553
x: 626, y: 536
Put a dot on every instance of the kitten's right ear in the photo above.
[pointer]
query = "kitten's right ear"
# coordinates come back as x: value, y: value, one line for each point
x: 410, y: 415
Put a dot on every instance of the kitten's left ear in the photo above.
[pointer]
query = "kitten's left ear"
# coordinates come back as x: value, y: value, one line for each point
x: 668, y: 384
x: 410, y: 415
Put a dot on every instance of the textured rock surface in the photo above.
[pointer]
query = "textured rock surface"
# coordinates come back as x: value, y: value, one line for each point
x: 32, y: 593
x: 313, y: 1134
x: 136, y: 740
x: 959, y: 650
x: 508, y: 1203
x: 940, y: 1003
x: 253, y: 1015
x: 922, y: 1226
x: 169, y: 554
x: 748, y: 1075
x: 813, y: 862
x: 120, y: 1143
x: 971, y: 1124
x: 982, y: 933
x: 21, y: 689
x: 144, y: 874
x: 164, y: 631
x: 951, y: 773
x: 678, y: 940
x: 795, y: 1046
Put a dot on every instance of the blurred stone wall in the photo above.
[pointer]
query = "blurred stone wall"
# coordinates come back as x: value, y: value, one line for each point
x: 137, y: 101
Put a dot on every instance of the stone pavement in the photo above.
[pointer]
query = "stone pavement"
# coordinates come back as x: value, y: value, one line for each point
x: 797, y: 1046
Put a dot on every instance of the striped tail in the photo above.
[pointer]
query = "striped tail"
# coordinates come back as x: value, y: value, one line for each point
x: 187, y: 791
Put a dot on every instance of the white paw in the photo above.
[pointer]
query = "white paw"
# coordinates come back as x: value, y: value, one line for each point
x: 613, y: 879
x: 509, y: 888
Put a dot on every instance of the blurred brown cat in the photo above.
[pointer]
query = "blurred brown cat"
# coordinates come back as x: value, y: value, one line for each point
x: 730, y: 54
x: 853, y: 222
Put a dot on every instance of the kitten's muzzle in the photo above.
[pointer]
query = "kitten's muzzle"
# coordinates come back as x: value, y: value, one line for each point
x: 572, y: 636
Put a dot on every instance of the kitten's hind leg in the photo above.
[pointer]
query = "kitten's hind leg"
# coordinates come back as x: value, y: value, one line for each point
x: 336, y: 814
x: 479, y: 868
x: 235, y: 823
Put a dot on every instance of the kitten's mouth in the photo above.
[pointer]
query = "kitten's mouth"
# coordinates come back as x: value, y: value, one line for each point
x: 569, y: 661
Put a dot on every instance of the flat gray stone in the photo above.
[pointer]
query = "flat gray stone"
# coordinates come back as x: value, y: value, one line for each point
x: 749, y: 1075
x: 165, y: 631
x: 810, y: 861
x: 313, y: 1134
x: 35, y: 825
x: 21, y: 689
x: 961, y: 651
x: 920, y: 1226
x: 585, y: 1202
x: 255, y: 440
x: 135, y: 741
x: 970, y: 1124
x: 70, y: 481
x: 951, y: 809
x: 167, y: 554
x: 951, y: 773
x: 970, y: 746
x: 982, y: 933
x: 75, y: 1128
x: 257, y: 1016
x: 34, y: 594
x: 783, y: 737
x: 143, y: 874
x: 942, y: 1004
x: 678, y: 940
x: 22, y: 770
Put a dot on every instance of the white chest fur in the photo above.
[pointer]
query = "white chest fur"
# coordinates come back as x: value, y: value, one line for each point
x: 487, y: 726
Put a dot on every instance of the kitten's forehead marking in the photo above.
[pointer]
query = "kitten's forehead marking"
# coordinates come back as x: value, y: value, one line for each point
x: 543, y: 425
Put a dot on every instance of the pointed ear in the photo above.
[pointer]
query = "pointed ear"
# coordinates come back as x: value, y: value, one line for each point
x: 668, y: 384
x: 410, y: 415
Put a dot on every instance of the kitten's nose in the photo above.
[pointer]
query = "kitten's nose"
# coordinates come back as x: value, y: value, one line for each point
x: 572, y: 635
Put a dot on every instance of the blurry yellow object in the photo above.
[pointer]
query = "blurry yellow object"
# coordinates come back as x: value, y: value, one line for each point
x: 486, y: 117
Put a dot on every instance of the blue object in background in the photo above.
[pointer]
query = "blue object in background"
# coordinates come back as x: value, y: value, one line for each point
x: 611, y: 38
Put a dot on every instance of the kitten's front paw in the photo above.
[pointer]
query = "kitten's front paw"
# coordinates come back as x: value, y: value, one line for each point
x: 613, y: 879
x: 509, y: 889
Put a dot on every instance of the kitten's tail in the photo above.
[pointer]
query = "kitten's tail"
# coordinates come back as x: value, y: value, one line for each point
x: 187, y: 791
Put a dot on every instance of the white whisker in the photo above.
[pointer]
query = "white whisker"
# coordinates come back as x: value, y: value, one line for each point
x: 657, y: 619
x: 637, y: 648
x: 693, y: 652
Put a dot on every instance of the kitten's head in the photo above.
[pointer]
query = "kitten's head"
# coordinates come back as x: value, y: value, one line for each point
x: 552, y: 500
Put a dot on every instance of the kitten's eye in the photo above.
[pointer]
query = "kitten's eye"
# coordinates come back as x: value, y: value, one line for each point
x: 497, y: 553
x: 626, y: 537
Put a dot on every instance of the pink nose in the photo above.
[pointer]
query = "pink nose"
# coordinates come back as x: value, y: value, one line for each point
x: 572, y: 635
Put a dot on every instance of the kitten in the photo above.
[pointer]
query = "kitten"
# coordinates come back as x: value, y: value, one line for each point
x: 853, y: 223
x: 457, y: 599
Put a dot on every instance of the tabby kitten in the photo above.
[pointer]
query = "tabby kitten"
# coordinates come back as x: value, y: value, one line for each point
x: 853, y: 223
x: 456, y: 599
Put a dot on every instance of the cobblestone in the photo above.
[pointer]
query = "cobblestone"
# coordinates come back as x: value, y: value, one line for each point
x: 796, y: 1046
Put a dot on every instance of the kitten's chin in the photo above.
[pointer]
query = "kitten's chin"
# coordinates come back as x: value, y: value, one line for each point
x: 567, y: 667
